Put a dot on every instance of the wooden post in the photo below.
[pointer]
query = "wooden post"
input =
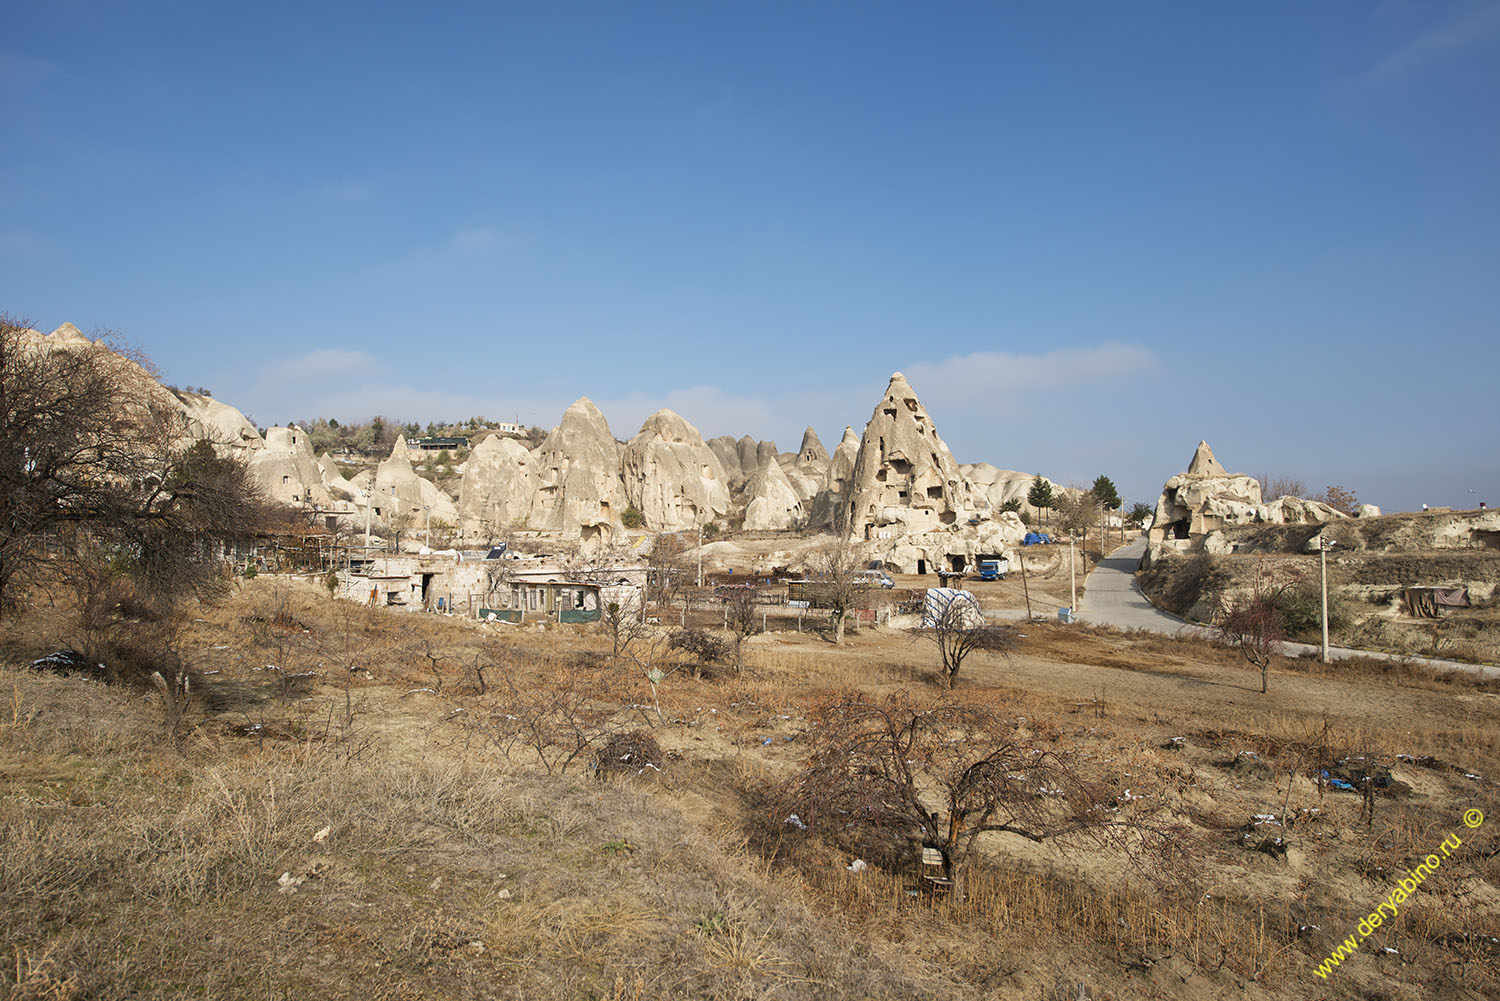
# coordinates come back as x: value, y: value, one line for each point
x: 1025, y: 586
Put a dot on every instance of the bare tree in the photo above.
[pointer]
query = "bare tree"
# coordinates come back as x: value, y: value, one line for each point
x: 667, y: 572
x: 1272, y: 487
x: 1253, y: 622
x: 623, y: 622
x: 743, y: 614
x: 836, y: 567
x: 557, y: 722
x: 960, y: 629
x: 887, y: 779
x: 1341, y: 499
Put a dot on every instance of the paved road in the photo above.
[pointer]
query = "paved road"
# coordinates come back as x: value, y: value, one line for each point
x: 1112, y: 598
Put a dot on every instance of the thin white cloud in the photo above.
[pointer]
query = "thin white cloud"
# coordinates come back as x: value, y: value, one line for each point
x: 1459, y: 33
x: 997, y: 380
x: 329, y: 363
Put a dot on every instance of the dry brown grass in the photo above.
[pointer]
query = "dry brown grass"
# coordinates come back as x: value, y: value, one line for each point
x: 129, y: 867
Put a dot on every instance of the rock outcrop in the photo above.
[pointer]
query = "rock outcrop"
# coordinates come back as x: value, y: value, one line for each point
x: 497, y: 487
x: 1208, y: 497
x: 773, y: 504
x: 728, y: 455
x: 400, y: 495
x: 671, y: 475
x: 812, y: 454
x: 835, y: 487
x: 1000, y: 486
x: 286, y: 470
x: 401, y: 450
x: 339, y: 488
x: 579, y: 492
x: 218, y: 422
x: 905, y: 480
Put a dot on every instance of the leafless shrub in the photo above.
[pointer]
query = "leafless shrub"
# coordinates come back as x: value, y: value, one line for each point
x: 1272, y: 487
x: 634, y: 752
x: 1253, y: 623
x: 743, y: 615
x: 887, y: 779
x: 557, y: 722
x: 959, y: 630
x: 701, y: 647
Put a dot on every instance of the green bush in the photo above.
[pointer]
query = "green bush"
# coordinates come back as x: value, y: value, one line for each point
x: 1301, y: 610
x: 632, y: 518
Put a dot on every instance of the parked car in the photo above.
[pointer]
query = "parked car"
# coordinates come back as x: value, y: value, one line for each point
x: 876, y: 578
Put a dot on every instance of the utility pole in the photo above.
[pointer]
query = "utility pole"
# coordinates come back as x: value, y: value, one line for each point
x: 1025, y: 586
x: 1323, y: 546
x: 368, y: 508
x: 1072, y: 575
x: 700, y: 555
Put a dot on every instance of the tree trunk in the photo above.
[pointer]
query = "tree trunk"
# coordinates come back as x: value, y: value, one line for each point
x: 838, y: 627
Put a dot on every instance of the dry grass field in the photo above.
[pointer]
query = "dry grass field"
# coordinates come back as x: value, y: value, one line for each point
x: 350, y: 808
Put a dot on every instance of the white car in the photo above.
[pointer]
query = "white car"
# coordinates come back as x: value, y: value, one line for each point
x: 875, y: 578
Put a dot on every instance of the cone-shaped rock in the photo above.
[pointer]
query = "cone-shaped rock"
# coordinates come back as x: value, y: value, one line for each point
x: 1208, y: 497
x: 1204, y: 463
x: 577, y: 475
x: 773, y: 504
x: 339, y: 488
x: 497, y: 488
x: 286, y: 470
x: 402, y: 450
x: 749, y: 453
x: 835, y: 486
x: 905, y: 480
x: 402, y: 495
x: 812, y: 452
x: 671, y: 476
x: 729, y: 458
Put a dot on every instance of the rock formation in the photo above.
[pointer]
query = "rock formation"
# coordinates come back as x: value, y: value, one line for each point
x: 401, y: 450
x: 729, y: 458
x: 218, y: 422
x: 773, y: 504
x: 905, y: 480
x: 497, y: 488
x: 399, y: 494
x: 835, y: 486
x: 339, y: 488
x: 286, y: 470
x: 812, y: 454
x: 1002, y: 485
x: 671, y: 476
x: 577, y: 474
x: 1208, y: 497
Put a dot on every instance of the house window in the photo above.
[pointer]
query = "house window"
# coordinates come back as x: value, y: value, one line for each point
x: 567, y: 599
x: 286, y: 479
x: 532, y: 595
x: 515, y: 596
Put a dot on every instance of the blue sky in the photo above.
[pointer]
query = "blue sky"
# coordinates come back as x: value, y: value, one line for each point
x: 1090, y: 234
